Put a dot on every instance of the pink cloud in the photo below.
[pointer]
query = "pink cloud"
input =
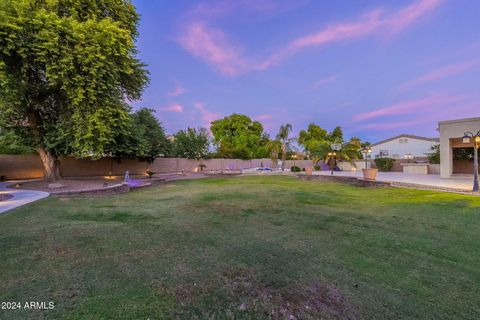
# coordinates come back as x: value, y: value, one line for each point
x: 374, y: 22
x: 173, y: 108
x: 210, y: 44
x: 389, y: 125
x: 410, y: 14
x: 428, y: 119
x: 432, y: 103
x: 324, y: 81
x: 441, y: 73
x: 207, y: 116
x: 179, y: 90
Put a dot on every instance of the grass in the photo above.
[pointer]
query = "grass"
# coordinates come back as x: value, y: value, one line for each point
x: 245, y: 248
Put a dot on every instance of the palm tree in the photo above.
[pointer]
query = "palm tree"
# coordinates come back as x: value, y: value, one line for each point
x: 282, y: 136
x: 274, y: 147
x: 348, y: 151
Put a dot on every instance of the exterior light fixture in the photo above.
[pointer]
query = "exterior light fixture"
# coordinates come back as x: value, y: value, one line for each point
x: 366, y: 152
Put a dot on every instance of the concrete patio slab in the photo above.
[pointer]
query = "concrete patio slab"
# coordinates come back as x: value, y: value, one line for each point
x: 461, y: 183
x: 20, y: 197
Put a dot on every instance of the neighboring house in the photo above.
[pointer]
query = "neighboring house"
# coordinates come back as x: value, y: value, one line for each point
x: 403, y: 146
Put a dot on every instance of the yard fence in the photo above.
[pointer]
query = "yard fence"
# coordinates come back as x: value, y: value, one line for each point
x: 30, y: 166
x: 16, y: 167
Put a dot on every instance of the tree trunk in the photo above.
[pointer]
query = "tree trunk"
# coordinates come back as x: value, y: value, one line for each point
x: 284, y: 155
x: 51, y: 165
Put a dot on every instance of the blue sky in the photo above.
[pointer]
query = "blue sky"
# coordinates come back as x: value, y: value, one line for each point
x: 377, y: 68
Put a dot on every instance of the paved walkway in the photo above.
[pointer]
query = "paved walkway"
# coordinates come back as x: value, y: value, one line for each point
x: 457, y: 182
x: 20, y: 197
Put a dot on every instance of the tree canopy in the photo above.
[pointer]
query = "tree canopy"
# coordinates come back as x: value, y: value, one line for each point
x: 149, y: 136
x: 191, y: 143
x: 236, y: 136
x: 66, y: 69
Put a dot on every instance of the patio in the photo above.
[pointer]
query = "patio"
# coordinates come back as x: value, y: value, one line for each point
x: 462, y: 183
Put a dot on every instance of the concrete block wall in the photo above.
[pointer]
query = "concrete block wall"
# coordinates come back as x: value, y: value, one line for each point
x: 17, y: 167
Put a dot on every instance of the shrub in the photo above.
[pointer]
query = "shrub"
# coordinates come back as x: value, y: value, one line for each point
x: 295, y: 169
x: 384, y: 164
x: 317, y: 168
x: 434, y: 154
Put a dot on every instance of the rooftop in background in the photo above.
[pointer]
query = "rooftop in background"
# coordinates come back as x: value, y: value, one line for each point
x: 410, y: 136
x: 459, y: 120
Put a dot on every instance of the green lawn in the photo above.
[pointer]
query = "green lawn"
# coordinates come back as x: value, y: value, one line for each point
x: 246, y: 248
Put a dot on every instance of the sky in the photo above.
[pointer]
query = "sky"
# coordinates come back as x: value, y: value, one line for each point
x: 377, y: 68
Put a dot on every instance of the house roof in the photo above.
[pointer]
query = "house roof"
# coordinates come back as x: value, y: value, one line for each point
x: 410, y: 136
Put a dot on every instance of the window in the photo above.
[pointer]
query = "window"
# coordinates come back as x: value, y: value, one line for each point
x: 383, y: 153
x: 403, y: 140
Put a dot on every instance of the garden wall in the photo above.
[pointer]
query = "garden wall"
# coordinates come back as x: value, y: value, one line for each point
x: 30, y: 167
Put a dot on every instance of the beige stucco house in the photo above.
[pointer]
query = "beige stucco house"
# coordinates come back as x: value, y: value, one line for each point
x: 451, y: 134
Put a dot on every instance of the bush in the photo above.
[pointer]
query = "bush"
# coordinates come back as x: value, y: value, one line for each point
x: 434, y: 154
x: 295, y: 169
x: 384, y: 164
x: 317, y: 168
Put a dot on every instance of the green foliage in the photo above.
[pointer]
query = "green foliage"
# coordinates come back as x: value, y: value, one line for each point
x: 282, y: 136
x: 274, y: 147
x: 384, y: 164
x: 434, y: 154
x: 317, y: 168
x: 336, y: 135
x: 236, y: 136
x: 308, y: 138
x: 66, y: 68
x: 349, y: 151
x: 263, y: 149
x: 152, y: 142
x: 295, y: 169
x: 12, y: 143
x: 191, y: 143
x: 463, y: 153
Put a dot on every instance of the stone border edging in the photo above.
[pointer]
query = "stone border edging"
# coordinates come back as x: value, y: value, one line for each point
x: 350, y: 180
x: 384, y: 184
x: 111, y: 190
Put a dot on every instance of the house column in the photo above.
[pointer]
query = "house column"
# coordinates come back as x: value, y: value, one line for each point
x: 446, y: 156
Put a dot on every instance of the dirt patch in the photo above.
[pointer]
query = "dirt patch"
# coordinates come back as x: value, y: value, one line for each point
x: 318, y: 300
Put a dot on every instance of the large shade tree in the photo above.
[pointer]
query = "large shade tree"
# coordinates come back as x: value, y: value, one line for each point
x: 66, y: 69
x: 237, y: 136
x: 149, y: 136
x: 191, y: 144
